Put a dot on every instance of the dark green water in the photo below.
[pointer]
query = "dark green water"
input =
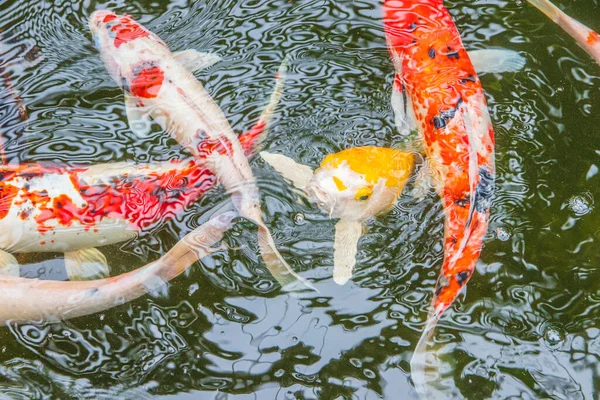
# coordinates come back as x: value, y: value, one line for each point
x: 529, y: 326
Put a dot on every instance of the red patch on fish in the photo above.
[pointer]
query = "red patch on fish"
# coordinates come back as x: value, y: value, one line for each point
x: 109, y: 18
x: 146, y: 83
x: 593, y: 38
x: 141, y: 199
x: 128, y: 30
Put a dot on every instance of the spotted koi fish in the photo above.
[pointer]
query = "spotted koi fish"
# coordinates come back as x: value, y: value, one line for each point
x: 34, y: 300
x: 587, y: 38
x: 159, y: 86
x: 353, y: 185
x: 437, y: 92
x: 58, y: 208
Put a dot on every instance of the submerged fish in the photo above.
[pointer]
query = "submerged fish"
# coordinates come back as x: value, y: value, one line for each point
x: 437, y: 92
x: 587, y: 38
x: 352, y: 185
x: 58, y: 208
x: 33, y: 300
x: 159, y: 85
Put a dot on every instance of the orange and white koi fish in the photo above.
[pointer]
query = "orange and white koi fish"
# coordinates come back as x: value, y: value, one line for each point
x: 352, y: 185
x: 34, y: 300
x: 437, y: 90
x: 159, y: 85
x: 586, y: 37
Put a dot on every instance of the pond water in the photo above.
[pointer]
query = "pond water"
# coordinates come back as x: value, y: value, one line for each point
x: 529, y: 325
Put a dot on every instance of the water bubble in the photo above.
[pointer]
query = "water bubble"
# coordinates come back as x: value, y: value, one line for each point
x: 294, y: 339
x: 581, y: 204
x: 299, y: 219
x: 553, y: 335
x: 502, y: 233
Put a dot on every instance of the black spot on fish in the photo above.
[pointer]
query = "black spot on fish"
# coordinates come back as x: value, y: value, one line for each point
x: 441, y: 120
x: 93, y: 291
x: 453, y: 55
x: 484, y: 191
x: 462, y: 202
x: 461, y: 277
x: 412, y: 27
x: 431, y: 53
x: 470, y: 78
x: 59, y: 204
x: 414, y: 41
x: 125, y: 84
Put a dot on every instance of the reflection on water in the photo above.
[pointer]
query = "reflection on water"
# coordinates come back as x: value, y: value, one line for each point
x: 527, y: 328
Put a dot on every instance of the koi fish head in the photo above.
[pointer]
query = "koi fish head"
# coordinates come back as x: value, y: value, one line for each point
x: 351, y: 185
x: 111, y: 30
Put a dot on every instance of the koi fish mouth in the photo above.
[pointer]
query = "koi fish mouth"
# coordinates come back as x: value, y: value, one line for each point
x: 319, y: 196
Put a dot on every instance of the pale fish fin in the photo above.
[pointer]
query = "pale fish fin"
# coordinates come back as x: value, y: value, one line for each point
x: 404, y: 114
x: 194, y: 60
x: 496, y: 61
x: 253, y: 139
x: 86, y: 264
x: 289, y: 280
x: 423, y: 182
x: 300, y: 175
x: 8, y: 264
x: 419, y: 363
x: 138, y: 117
x: 345, y: 247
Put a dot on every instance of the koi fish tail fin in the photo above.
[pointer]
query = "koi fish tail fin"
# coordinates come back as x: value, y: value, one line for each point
x: 425, y: 366
x: 289, y: 280
x: 252, y: 140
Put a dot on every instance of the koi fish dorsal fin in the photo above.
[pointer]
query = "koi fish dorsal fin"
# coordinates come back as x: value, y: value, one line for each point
x: 253, y: 139
x: 300, y: 175
x: 86, y: 264
x: 8, y: 264
x: 195, y: 60
x: 345, y: 247
x: 496, y: 61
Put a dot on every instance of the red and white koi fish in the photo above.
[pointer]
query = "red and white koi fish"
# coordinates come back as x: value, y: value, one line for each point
x: 353, y: 185
x: 437, y: 90
x: 34, y: 300
x: 58, y: 208
x: 587, y: 38
x: 159, y: 85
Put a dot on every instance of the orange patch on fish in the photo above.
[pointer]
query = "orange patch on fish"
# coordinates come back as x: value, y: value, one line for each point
x: 593, y: 38
x: 339, y: 184
x: 127, y: 30
x: 147, y: 82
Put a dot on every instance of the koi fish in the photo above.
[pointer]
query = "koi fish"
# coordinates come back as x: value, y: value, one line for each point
x: 34, y: 300
x: 58, y: 208
x: 352, y: 185
x: 159, y: 85
x: 587, y: 38
x: 437, y: 92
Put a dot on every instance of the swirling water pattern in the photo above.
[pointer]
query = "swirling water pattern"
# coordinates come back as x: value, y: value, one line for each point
x: 528, y: 327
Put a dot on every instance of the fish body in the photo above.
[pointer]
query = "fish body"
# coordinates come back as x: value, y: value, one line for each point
x: 58, y: 208
x: 586, y: 37
x: 441, y: 91
x: 159, y: 85
x: 33, y: 300
x: 352, y: 185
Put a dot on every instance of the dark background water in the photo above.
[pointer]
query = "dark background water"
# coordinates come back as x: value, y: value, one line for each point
x: 529, y: 325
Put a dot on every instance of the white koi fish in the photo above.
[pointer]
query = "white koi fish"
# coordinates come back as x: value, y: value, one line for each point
x: 34, y: 300
x: 352, y: 185
x: 159, y: 85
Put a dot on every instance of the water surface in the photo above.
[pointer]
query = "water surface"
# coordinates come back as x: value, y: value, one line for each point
x: 529, y: 326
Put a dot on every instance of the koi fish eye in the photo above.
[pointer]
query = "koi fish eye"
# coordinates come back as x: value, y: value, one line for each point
x: 363, y: 193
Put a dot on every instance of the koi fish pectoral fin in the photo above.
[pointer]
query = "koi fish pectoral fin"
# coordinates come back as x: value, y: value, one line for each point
x: 195, y: 60
x: 345, y: 247
x: 8, y: 264
x: 300, y: 175
x: 404, y: 114
x: 86, y: 264
x: 496, y: 61
x: 138, y: 116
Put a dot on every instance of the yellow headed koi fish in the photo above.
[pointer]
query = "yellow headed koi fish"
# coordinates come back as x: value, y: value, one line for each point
x: 352, y: 185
